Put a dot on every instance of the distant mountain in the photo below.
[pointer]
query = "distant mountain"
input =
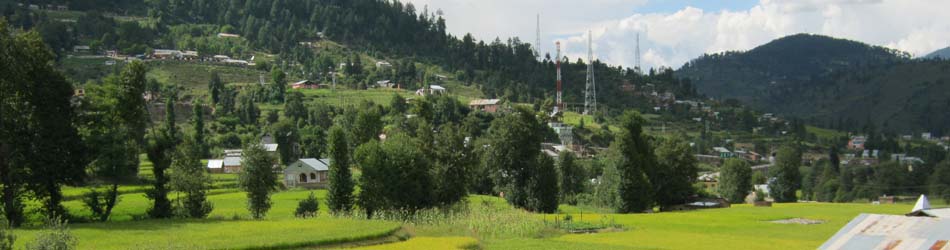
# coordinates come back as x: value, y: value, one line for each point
x: 833, y: 82
x: 942, y: 53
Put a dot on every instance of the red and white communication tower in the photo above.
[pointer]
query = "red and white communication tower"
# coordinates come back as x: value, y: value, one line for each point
x: 559, y: 105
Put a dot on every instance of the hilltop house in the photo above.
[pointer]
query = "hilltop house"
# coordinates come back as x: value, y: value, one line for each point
x: 307, y: 173
x: 857, y: 143
x: 383, y: 65
x: 305, y: 84
x: 486, y: 105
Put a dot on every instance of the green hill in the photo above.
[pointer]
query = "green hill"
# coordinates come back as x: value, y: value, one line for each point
x: 831, y: 82
x: 939, y: 54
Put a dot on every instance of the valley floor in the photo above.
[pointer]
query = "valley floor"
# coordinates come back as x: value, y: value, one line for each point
x: 489, y: 224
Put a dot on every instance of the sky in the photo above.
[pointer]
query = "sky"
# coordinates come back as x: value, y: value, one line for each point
x: 673, y: 32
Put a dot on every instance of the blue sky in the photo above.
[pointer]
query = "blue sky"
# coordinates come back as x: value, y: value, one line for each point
x: 674, y: 31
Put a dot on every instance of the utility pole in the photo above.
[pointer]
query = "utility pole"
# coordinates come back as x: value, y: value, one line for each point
x: 590, y: 90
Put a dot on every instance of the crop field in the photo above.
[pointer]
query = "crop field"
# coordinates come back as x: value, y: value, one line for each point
x: 484, y: 222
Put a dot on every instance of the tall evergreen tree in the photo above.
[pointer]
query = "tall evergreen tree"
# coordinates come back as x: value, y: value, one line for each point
x: 340, y: 193
x: 635, y: 165
x: 452, y: 159
x: 258, y: 179
x: 160, y: 148
x: 286, y: 135
x: 280, y: 85
x: 294, y: 108
x: 543, y: 187
x: 190, y: 178
x: 215, y: 88
x: 786, y: 174
x: 198, y: 121
x: 571, y: 177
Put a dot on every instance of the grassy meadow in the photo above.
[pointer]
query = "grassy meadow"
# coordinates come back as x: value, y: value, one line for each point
x: 482, y: 222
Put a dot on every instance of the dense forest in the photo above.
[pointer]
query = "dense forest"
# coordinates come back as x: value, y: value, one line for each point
x: 830, y: 82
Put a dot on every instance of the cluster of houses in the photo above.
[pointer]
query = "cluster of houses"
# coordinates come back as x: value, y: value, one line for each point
x: 45, y: 7
x: 305, y: 173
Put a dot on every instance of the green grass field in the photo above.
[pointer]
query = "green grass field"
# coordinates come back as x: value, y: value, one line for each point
x: 484, y: 223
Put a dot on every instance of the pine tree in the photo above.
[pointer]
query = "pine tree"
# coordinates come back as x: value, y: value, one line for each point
x: 340, y: 193
x: 786, y: 174
x: 198, y: 121
x: 571, y: 177
x: 258, y: 179
x: 636, y: 163
x: 160, y: 147
x: 543, y: 187
x: 215, y: 88
x: 190, y: 178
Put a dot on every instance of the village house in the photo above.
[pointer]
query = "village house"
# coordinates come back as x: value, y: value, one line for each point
x: 723, y: 152
x: 216, y: 166
x: 307, y: 173
x: 485, y: 105
x: 305, y: 84
x: 228, y: 35
x: 857, y: 143
x: 383, y: 65
x: 81, y: 49
x: 384, y: 84
x: 220, y: 58
x: 708, y: 159
x: 432, y: 90
x: 166, y: 54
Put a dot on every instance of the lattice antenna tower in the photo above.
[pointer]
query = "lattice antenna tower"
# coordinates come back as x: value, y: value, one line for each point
x: 537, y: 44
x: 638, y: 69
x: 590, y: 90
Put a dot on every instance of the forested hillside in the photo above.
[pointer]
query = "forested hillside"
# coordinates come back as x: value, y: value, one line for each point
x: 390, y: 30
x: 940, y: 54
x: 831, y: 82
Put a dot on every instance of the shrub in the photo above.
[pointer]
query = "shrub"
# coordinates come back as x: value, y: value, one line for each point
x: 56, y: 236
x: 308, y: 207
x: 6, y: 236
x: 759, y: 195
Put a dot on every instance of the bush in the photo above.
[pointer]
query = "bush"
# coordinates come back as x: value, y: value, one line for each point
x: 6, y: 236
x: 759, y: 195
x: 56, y: 236
x: 308, y: 207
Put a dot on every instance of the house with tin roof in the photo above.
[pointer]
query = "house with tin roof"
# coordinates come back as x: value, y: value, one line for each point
x: 307, y: 173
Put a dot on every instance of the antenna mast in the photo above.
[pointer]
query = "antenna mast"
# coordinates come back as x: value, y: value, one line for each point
x: 638, y: 53
x: 590, y: 91
x: 559, y: 105
x: 537, y: 45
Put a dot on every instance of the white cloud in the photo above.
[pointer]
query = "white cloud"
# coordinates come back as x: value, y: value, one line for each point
x: 671, y: 39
